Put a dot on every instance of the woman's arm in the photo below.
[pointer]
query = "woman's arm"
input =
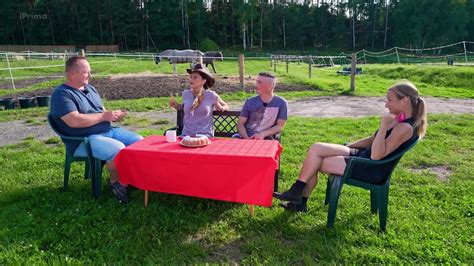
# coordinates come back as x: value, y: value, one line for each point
x: 221, y: 105
x: 362, y: 143
x: 174, y: 104
x: 382, y: 146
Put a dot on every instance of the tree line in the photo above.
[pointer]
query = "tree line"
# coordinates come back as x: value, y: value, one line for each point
x: 266, y: 25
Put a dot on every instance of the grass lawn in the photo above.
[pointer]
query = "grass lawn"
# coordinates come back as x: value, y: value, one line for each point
x: 430, y: 220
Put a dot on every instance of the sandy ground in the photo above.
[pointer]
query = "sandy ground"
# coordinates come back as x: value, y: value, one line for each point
x: 341, y: 106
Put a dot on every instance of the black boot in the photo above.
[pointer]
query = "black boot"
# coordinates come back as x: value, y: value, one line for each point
x: 294, y: 207
x: 293, y: 195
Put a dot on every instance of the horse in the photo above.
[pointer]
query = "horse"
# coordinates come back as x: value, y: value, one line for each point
x: 185, y: 56
x: 165, y: 55
x: 209, y: 58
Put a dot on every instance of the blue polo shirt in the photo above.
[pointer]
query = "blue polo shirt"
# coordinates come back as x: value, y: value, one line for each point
x: 66, y: 99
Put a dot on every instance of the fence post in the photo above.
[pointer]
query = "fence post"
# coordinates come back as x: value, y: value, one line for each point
x: 10, y: 70
x: 271, y: 61
x: 310, y: 68
x: 465, y: 52
x: 275, y: 66
x: 398, y: 57
x: 353, y: 72
x: 115, y: 56
x: 287, y: 62
x: 241, y: 71
x: 82, y: 53
x: 175, y: 71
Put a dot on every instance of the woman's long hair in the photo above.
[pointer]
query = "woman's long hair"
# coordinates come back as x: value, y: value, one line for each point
x: 408, y: 89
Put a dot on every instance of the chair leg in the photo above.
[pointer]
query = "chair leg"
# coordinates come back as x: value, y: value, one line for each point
x: 328, y: 189
x: 96, y: 178
x: 336, y: 187
x: 275, y: 182
x: 383, y: 210
x: 87, y: 166
x: 67, y: 170
x: 374, y: 201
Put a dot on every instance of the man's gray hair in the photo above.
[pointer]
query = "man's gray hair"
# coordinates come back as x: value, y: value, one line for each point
x: 269, y: 75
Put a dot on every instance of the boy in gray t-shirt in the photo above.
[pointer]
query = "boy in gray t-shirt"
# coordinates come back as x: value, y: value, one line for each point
x: 263, y: 115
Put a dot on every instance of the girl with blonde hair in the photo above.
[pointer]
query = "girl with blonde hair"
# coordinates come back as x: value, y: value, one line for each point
x: 404, y: 125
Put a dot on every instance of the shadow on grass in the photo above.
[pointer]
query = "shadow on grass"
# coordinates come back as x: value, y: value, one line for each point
x: 45, y: 222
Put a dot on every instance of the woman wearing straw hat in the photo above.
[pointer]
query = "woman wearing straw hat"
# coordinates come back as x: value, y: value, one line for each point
x: 199, y: 102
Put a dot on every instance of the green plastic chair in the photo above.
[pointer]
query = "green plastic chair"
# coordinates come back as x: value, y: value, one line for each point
x: 93, y: 166
x: 378, y: 192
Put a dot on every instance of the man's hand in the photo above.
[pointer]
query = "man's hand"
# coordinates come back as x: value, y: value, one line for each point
x: 258, y: 136
x: 113, y: 116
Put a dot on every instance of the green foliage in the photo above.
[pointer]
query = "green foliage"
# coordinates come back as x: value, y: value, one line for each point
x: 430, y: 220
x: 295, y: 25
x: 209, y: 45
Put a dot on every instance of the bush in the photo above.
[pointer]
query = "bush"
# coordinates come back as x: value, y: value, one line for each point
x: 209, y: 45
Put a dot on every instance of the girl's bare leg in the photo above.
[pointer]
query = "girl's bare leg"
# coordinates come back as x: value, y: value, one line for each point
x: 316, y: 153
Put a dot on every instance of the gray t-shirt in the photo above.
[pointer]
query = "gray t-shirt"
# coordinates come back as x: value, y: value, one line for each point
x: 260, y: 116
x: 199, y: 121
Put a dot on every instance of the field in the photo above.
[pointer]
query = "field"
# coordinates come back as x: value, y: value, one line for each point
x: 430, y: 204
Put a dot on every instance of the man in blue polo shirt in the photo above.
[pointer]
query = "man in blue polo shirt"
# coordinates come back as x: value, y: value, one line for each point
x: 264, y: 115
x: 77, y: 109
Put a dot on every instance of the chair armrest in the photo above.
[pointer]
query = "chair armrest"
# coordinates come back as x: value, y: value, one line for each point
x: 277, y: 137
x: 72, y: 138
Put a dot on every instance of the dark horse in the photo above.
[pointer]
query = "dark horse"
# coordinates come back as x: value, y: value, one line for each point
x: 209, y: 58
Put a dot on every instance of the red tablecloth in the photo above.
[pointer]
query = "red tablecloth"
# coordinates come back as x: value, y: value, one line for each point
x: 234, y: 170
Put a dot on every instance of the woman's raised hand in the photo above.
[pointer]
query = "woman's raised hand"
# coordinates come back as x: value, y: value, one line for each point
x: 386, y: 120
x: 173, y: 102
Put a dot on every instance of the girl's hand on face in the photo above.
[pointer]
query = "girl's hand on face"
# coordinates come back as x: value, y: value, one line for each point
x: 386, y: 120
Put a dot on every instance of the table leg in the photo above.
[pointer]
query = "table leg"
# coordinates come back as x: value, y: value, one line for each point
x: 146, y: 198
x: 251, y: 210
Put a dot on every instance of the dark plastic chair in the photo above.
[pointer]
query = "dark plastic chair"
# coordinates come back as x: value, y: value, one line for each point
x: 93, y: 166
x: 378, y: 192
x: 225, y: 125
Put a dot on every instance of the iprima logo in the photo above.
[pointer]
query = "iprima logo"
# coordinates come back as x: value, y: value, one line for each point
x: 25, y: 15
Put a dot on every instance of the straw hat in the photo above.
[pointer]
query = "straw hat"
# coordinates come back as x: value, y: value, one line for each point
x: 204, y: 71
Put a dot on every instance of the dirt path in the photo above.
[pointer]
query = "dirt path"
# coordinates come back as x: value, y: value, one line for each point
x: 342, y: 106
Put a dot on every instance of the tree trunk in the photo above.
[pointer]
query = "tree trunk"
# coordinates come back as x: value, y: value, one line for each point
x: 251, y: 32
x: 374, y: 20
x: 111, y: 23
x: 233, y: 23
x: 353, y: 26
x: 100, y: 22
x: 187, y: 24
x: 48, y: 7
x: 261, y: 24
x: 386, y: 25
x: 244, y: 37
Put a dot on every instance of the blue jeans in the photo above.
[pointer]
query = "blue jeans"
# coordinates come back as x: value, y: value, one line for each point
x: 107, y: 145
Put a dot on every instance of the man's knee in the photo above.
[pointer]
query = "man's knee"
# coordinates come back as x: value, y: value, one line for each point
x: 106, y: 150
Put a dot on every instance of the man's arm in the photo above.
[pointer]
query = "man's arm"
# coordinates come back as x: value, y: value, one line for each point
x: 75, y: 119
x: 277, y: 128
x: 241, y: 127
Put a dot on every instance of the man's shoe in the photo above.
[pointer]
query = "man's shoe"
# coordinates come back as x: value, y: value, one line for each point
x: 120, y: 192
x: 294, y: 207
x: 294, y: 194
